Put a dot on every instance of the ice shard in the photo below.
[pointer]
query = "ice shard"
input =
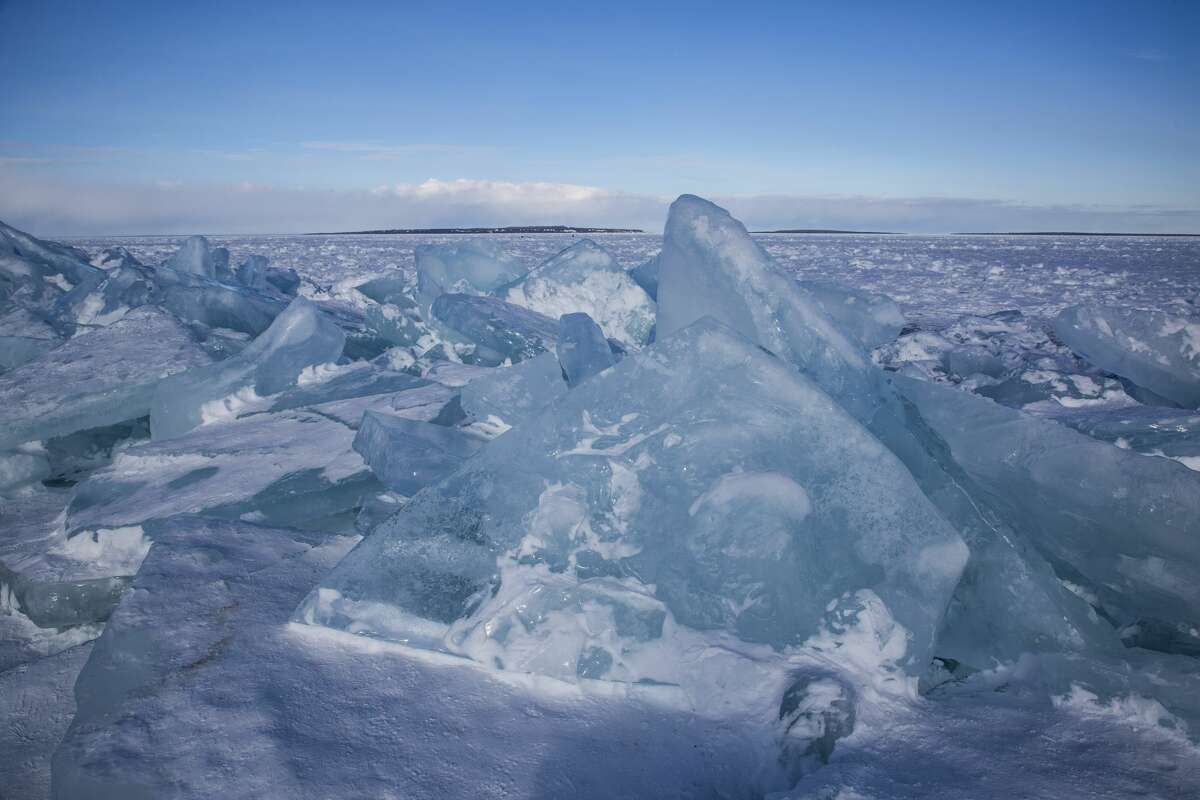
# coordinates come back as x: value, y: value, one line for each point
x: 645, y: 275
x: 512, y: 394
x: 302, y: 336
x: 1118, y: 527
x: 194, y: 257
x: 1154, y: 350
x: 493, y: 331
x: 582, y: 349
x: 700, y: 485
x: 586, y: 278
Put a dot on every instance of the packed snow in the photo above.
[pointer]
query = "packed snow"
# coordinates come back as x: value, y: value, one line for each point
x: 705, y: 514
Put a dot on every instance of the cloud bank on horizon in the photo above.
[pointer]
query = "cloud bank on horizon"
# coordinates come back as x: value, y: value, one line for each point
x: 67, y: 208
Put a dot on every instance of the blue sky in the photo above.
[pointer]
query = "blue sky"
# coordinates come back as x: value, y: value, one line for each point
x: 242, y: 117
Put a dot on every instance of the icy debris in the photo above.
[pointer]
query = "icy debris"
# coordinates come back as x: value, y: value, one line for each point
x: 65, y: 603
x: 407, y: 455
x: 701, y: 484
x: 586, y: 278
x: 492, y: 331
x: 397, y: 322
x: 472, y: 266
x: 873, y: 319
x: 23, y: 337
x: 20, y: 468
x: 104, y: 376
x: 1116, y: 525
x: 302, y: 336
x: 512, y: 394
x: 1154, y: 350
x: 582, y: 349
x: 36, y: 274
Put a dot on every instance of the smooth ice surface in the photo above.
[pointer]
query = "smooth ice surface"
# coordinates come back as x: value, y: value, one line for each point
x: 702, y: 485
x: 1154, y: 350
x: 512, y: 394
x: 582, y: 349
x: 407, y: 455
x: 586, y: 278
x: 645, y: 275
x: 1119, y: 527
x: 493, y: 332
x: 101, y: 377
x: 300, y: 337
x: 471, y: 266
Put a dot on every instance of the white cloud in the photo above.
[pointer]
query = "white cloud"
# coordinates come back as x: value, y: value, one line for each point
x: 51, y: 207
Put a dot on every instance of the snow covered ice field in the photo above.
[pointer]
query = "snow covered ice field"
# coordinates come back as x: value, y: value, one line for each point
x: 868, y: 516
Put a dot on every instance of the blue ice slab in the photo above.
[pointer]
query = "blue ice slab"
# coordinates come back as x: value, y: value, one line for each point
x: 582, y: 349
x: 407, y: 455
x: 513, y: 394
x: 1156, y: 351
x: 499, y: 331
x: 302, y: 336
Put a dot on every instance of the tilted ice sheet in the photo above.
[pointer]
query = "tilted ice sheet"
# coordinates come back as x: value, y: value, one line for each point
x: 104, y: 376
x: 1154, y: 350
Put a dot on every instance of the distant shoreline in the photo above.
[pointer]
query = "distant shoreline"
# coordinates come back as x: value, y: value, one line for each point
x: 1067, y: 233
x: 508, y: 229
x: 831, y: 230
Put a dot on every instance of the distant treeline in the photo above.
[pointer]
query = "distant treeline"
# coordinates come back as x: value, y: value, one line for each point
x: 509, y: 229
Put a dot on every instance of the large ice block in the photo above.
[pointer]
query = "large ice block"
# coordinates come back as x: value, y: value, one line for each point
x: 586, y: 278
x: 1119, y: 527
x: 300, y: 337
x: 407, y: 455
x: 700, y: 485
x: 1154, y: 350
x: 582, y: 349
x: 98, y: 378
x: 472, y: 266
x: 195, y: 298
x: 495, y: 331
x: 646, y: 276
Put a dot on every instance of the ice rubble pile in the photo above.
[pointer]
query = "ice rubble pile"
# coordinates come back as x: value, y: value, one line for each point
x: 692, y: 475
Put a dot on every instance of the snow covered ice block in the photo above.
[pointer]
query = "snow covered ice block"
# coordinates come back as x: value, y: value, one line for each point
x: 1119, y: 527
x: 407, y: 455
x: 290, y: 468
x: 700, y: 485
x: 498, y: 331
x: 586, y: 278
x: 582, y: 349
x: 105, y: 376
x: 873, y: 319
x: 1154, y: 350
x: 302, y: 336
x: 512, y: 394
x: 473, y: 266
